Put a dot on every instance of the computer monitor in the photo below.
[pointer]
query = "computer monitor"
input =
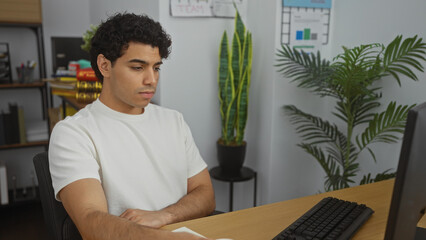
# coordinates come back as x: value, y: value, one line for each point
x: 409, y: 193
x: 66, y: 49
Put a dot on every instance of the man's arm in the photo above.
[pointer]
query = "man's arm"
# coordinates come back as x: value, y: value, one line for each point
x: 85, y: 202
x: 198, y: 202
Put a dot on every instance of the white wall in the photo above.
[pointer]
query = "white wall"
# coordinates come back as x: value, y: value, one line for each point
x: 62, y: 18
x: 188, y: 81
x: 101, y: 9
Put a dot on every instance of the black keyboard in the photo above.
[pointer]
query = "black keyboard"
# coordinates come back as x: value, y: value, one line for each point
x: 329, y: 219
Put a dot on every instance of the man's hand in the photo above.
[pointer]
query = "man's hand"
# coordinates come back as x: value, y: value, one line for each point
x: 154, y: 219
x: 198, y: 202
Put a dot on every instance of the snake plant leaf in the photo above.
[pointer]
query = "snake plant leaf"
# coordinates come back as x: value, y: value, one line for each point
x: 231, y: 113
x: 235, y: 60
x: 240, y: 29
x: 244, y: 91
x: 242, y: 108
x: 223, y: 77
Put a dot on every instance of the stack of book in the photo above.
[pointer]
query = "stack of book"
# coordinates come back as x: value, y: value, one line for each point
x: 12, y: 126
x: 37, y: 131
x: 64, y: 83
x: 88, y: 86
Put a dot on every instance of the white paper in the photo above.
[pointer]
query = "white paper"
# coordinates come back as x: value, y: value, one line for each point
x: 225, y: 8
x: 208, y: 8
x: 190, y: 8
x: 187, y: 230
x: 4, y: 194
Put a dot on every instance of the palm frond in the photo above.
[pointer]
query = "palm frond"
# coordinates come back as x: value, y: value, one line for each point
x: 385, y: 126
x: 360, y: 108
x: 400, y: 55
x: 312, y: 129
x: 363, y: 107
x: 355, y: 70
x: 379, y: 177
x: 336, y: 177
x: 309, y: 70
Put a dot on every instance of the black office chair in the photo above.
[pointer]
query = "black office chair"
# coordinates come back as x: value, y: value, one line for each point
x: 59, y: 224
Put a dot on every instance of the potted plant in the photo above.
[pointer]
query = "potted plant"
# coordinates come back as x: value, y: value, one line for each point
x: 87, y: 37
x: 234, y: 72
x: 351, y: 79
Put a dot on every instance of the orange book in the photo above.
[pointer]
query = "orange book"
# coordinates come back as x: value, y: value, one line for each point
x: 86, y: 74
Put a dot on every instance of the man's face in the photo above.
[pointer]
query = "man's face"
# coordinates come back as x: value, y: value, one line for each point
x: 132, y: 80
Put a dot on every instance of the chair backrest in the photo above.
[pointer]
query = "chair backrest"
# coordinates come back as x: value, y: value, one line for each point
x: 59, y: 224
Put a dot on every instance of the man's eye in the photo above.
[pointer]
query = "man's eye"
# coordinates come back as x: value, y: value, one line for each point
x: 157, y: 69
x: 137, y: 68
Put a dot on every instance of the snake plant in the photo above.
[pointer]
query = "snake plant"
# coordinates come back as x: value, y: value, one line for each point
x: 351, y: 79
x: 234, y: 73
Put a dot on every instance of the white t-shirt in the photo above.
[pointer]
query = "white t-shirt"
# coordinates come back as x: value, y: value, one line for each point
x: 142, y: 161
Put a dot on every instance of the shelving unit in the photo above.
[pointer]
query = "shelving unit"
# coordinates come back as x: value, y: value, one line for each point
x: 24, y: 14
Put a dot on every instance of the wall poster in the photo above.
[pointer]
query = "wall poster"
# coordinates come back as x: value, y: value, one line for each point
x: 207, y: 8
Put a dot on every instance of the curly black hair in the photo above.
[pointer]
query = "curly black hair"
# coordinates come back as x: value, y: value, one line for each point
x: 113, y: 36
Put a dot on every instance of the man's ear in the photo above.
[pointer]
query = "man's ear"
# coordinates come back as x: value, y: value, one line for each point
x: 104, y: 65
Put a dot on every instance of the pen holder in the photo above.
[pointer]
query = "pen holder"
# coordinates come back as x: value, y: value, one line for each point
x: 25, y: 74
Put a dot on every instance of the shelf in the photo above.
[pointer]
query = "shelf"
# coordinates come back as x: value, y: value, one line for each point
x: 29, y: 144
x: 74, y: 103
x: 31, y: 198
x: 21, y: 11
x: 22, y: 85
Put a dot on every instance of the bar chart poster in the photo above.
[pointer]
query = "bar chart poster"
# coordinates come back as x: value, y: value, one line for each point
x: 305, y: 24
x: 306, y: 30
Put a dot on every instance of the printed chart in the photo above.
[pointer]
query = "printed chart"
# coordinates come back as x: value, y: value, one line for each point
x: 304, y: 25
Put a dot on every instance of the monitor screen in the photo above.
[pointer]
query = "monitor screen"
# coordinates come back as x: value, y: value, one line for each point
x: 409, y: 193
x: 66, y: 49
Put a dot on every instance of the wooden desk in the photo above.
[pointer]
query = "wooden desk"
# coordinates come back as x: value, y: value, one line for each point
x: 265, y: 222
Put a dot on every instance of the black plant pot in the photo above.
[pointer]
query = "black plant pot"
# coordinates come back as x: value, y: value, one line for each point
x: 231, y: 158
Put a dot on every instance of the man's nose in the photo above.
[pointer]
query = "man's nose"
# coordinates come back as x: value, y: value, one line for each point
x: 150, y: 77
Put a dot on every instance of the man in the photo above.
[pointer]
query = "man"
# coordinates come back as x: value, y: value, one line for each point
x: 121, y: 166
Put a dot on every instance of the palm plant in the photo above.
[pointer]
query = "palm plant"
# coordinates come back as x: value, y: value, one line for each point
x: 349, y: 80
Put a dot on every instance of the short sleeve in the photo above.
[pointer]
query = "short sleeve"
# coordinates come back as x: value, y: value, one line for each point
x: 72, y: 156
x: 195, y: 162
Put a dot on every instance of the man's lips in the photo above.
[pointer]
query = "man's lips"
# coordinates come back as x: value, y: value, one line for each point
x: 147, y: 94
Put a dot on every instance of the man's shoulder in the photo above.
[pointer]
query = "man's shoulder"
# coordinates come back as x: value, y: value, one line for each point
x: 80, y: 118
